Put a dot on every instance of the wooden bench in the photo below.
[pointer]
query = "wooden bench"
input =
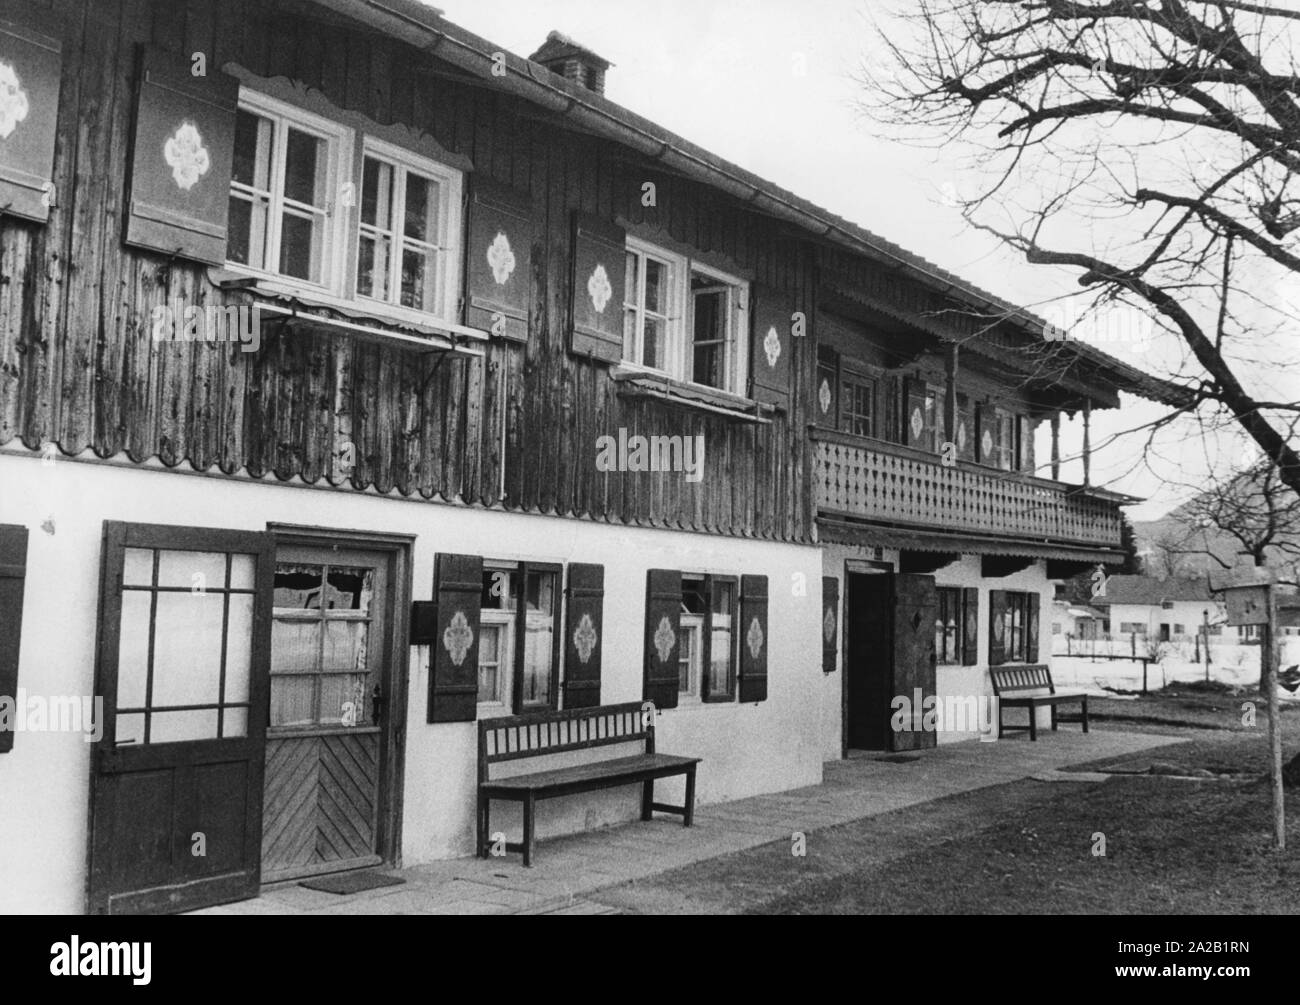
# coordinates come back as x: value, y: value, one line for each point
x: 516, y: 737
x: 1031, y: 687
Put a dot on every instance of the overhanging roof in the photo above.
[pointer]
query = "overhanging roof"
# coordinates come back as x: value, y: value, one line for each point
x: 584, y: 110
x: 873, y: 535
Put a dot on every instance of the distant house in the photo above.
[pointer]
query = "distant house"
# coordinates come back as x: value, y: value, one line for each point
x: 1163, y: 609
x: 1076, y: 620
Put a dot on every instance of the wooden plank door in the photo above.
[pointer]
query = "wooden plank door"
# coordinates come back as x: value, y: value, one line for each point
x: 176, y: 778
x: 914, y: 609
x: 868, y: 672
x: 326, y: 741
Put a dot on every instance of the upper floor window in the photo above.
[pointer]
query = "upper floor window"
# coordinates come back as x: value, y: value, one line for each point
x: 683, y: 319
x: 282, y: 192
x: 402, y: 243
x: 1005, y: 440
x: 310, y: 211
x: 858, y: 405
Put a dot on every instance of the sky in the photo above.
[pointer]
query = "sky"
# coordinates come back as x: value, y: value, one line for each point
x: 772, y: 85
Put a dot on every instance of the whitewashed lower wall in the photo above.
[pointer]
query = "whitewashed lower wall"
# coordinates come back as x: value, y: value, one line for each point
x: 44, y: 781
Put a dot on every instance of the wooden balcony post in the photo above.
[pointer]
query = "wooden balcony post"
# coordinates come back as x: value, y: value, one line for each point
x: 1056, y: 446
x: 1087, y: 442
x: 950, y: 398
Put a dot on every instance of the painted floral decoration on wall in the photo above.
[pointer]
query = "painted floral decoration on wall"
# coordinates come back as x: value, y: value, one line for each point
x: 458, y: 638
x: 501, y: 258
x: 186, y: 156
x: 13, y: 100
x: 584, y: 638
x: 772, y: 346
x: 824, y: 396
x: 828, y: 625
x: 598, y: 288
x: 917, y: 423
x: 755, y: 638
x: 665, y: 639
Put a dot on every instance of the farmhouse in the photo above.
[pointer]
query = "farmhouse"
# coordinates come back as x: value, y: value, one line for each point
x: 300, y: 576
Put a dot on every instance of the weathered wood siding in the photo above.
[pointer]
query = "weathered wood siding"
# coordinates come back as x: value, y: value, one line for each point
x: 79, y: 368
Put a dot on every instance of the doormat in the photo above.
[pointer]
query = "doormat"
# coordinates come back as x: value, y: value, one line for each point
x: 351, y: 882
x: 898, y: 758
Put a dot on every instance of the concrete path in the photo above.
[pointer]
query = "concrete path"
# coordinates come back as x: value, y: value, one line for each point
x: 567, y: 869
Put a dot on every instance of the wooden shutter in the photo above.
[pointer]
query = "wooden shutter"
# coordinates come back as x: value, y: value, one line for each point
x: 916, y: 430
x: 599, y: 277
x: 997, y: 628
x: 970, y: 621
x: 1031, y: 629
x: 1025, y: 444
x: 754, y: 638
x: 827, y: 391
x: 30, y: 49
x: 830, y: 622
x: 181, y: 163
x: 584, y: 634
x: 771, y: 345
x: 986, y: 435
x: 966, y: 437
x: 663, y: 631
x: 500, y: 259
x: 453, y: 677
x: 13, y: 570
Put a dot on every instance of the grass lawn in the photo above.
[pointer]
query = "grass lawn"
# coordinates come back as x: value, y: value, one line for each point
x: 1171, y: 845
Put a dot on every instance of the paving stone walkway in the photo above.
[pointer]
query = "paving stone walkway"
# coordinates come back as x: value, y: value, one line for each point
x: 568, y: 869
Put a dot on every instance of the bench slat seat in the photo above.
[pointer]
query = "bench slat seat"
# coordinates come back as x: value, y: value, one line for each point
x: 621, y: 770
x: 1031, y: 687
x: 512, y: 738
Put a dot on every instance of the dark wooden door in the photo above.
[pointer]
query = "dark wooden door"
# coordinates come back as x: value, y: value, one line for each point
x: 176, y: 778
x: 915, y: 605
x: 868, y: 673
x: 330, y: 686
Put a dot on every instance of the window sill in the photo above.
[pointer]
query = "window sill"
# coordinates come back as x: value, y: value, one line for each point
x: 371, y: 320
x: 646, y: 383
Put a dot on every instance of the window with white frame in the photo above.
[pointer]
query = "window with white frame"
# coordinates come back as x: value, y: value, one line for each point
x: 518, y: 601
x: 312, y: 208
x: 684, y: 319
x: 404, y: 238
x: 284, y: 183
x: 708, y: 653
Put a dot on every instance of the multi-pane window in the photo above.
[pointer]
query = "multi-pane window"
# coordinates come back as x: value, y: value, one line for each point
x: 320, y: 645
x: 401, y: 244
x: 708, y: 654
x: 649, y: 292
x: 1015, y: 627
x: 382, y: 228
x: 948, y: 626
x: 683, y: 319
x: 518, y: 602
x: 858, y: 405
x: 184, y: 646
x: 282, y: 192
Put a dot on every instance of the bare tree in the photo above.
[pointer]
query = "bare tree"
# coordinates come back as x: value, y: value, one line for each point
x: 1166, y: 132
x: 1153, y: 146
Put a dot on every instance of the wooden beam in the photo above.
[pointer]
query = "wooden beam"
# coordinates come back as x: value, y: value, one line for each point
x: 925, y: 561
x: 1087, y: 443
x: 997, y: 566
x: 1056, y: 446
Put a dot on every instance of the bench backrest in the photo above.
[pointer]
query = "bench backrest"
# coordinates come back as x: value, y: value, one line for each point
x: 509, y: 738
x: 1032, y: 677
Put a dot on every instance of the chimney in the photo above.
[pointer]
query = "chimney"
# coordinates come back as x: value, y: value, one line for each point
x: 561, y: 54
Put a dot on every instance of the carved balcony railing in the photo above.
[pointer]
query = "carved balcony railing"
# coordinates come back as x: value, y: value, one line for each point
x: 887, y: 483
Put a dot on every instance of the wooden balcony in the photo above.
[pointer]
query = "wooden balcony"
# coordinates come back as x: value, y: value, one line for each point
x: 900, y: 486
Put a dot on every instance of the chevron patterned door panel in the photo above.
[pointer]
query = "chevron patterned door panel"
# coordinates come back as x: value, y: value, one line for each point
x: 323, y: 777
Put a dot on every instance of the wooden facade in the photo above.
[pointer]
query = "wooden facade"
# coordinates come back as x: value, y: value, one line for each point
x: 515, y: 428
